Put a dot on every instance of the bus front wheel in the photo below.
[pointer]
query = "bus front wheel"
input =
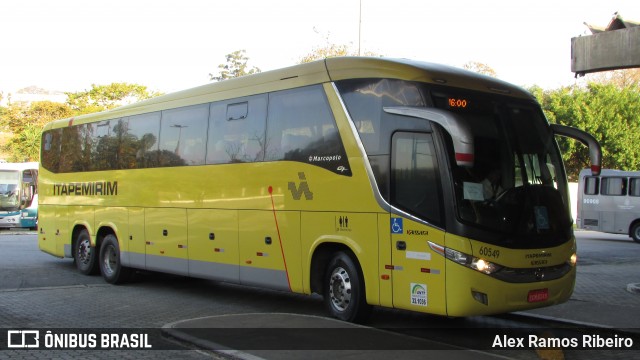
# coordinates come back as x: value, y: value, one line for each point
x: 110, y: 265
x: 84, y: 254
x: 344, y: 293
x: 635, y: 232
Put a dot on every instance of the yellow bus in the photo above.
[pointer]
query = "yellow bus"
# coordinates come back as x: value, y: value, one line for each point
x: 365, y: 180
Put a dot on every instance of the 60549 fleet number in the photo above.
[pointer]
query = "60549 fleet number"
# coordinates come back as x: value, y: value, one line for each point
x: 489, y: 252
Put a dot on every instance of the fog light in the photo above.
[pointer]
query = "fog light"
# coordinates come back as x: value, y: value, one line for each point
x: 480, y: 297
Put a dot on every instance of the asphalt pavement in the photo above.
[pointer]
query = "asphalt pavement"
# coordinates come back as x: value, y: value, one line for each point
x: 605, y: 297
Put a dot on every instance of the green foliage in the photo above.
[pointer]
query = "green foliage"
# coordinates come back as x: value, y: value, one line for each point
x: 331, y: 50
x: 104, y: 97
x: 480, y: 68
x: 25, y: 123
x: 235, y: 66
x: 607, y: 111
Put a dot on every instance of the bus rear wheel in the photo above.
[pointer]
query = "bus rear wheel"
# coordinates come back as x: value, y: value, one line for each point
x: 84, y: 255
x: 635, y: 232
x: 110, y: 263
x: 344, y: 293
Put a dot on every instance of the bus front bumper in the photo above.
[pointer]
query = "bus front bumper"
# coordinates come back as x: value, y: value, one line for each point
x: 10, y: 221
x: 470, y: 292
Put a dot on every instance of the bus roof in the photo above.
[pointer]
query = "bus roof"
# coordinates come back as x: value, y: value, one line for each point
x: 609, y: 172
x: 18, y: 166
x: 321, y: 71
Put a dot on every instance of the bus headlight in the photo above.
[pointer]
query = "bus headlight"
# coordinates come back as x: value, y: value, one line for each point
x: 484, y: 266
x: 573, y: 260
x: 472, y: 262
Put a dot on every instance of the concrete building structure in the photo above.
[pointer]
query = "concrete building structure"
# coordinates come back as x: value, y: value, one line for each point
x: 615, y: 47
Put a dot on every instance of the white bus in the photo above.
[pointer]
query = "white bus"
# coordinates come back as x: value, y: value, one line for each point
x: 610, y: 202
x: 19, y: 195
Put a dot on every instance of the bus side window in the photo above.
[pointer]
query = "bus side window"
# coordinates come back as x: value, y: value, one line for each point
x: 50, y: 156
x: 139, y: 149
x: 634, y: 187
x: 183, y: 135
x: 415, y: 185
x: 301, y: 127
x: 591, y: 185
x: 614, y: 186
x: 237, y: 130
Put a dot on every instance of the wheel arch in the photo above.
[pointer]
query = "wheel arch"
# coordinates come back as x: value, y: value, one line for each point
x: 322, y: 254
x: 633, y: 224
x: 77, y: 229
x: 102, y: 232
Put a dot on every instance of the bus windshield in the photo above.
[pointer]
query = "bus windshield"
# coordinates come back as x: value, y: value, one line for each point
x: 513, y: 186
x: 9, y: 190
x: 510, y: 194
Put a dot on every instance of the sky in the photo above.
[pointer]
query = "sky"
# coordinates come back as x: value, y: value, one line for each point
x: 68, y: 45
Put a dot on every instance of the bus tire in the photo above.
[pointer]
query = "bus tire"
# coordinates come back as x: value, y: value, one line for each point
x: 110, y: 263
x: 84, y: 255
x: 344, y: 292
x: 635, y: 232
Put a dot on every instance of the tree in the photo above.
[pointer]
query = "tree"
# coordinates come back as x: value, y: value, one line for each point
x: 332, y: 50
x: 25, y: 123
x: 104, y: 97
x: 480, y: 68
x: 610, y: 113
x: 620, y: 78
x: 235, y: 66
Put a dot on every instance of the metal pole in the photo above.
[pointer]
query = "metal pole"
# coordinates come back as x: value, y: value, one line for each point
x: 360, y: 29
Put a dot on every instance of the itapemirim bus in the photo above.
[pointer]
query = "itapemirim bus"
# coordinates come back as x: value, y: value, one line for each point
x: 19, y: 195
x: 360, y: 179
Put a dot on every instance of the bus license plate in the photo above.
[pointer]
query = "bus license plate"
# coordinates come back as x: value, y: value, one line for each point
x: 538, y: 295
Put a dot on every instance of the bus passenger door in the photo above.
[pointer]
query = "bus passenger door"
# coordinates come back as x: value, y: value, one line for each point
x: 418, y: 272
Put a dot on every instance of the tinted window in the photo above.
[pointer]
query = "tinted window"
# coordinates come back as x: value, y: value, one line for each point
x: 301, y: 128
x: 591, y: 185
x: 183, y: 135
x: 72, y: 149
x: 614, y: 186
x: 414, y: 179
x: 634, y: 187
x: 140, y: 141
x: 104, y: 142
x: 50, y: 154
x: 237, y: 130
x: 365, y: 100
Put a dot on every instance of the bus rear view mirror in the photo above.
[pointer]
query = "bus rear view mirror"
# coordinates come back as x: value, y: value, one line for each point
x: 595, y: 153
x: 456, y: 127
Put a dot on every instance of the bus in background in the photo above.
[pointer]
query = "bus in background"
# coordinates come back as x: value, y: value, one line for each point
x: 19, y: 195
x: 370, y: 181
x: 610, y: 202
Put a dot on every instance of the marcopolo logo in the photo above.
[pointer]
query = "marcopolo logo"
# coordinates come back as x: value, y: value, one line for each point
x: 302, y: 189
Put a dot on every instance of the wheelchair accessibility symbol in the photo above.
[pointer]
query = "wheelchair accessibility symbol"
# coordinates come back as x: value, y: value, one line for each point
x: 396, y: 225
